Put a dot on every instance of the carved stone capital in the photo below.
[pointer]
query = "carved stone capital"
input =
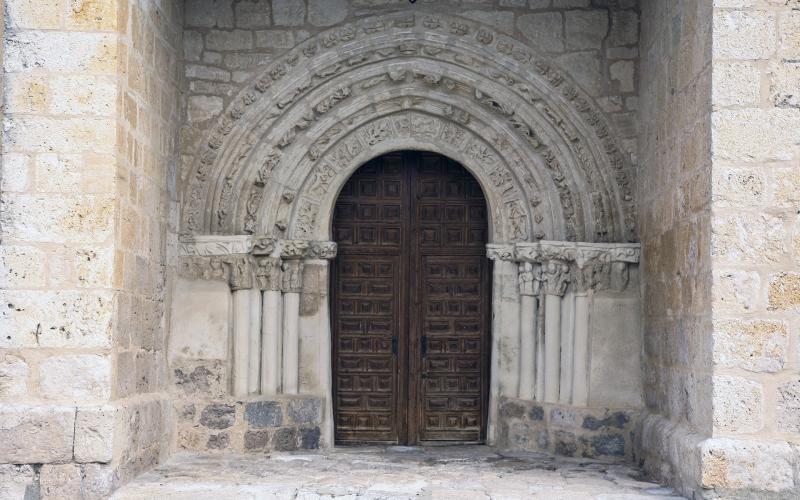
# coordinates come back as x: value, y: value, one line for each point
x: 556, y: 277
x: 294, y: 249
x: 500, y: 251
x: 206, y: 245
x: 528, y: 252
x: 203, y: 267
x: 268, y: 273
x: 530, y: 279
x: 241, y: 272
x: 292, y: 279
x: 325, y: 250
x: 264, y: 245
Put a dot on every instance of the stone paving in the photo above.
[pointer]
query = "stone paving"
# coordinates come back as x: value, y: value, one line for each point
x: 455, y: 472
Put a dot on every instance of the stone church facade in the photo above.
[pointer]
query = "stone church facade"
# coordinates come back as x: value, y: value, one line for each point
x: 180, y: 271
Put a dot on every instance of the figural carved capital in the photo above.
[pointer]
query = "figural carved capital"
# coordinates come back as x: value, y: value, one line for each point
x: 268, y: 273
x: 325, y: 250
x: 530, y: 279
x: 556, y: 277
x: 241, y: 272
x: 263, y: 245
x: 294, y: 249
x: 292, y: 276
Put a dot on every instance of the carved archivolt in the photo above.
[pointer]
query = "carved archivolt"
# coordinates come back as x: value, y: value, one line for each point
x: 546, y: 158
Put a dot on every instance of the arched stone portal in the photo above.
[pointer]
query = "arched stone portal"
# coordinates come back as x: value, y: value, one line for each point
x: 257, y: 213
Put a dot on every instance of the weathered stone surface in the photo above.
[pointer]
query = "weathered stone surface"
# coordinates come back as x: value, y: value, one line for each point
x: 729, y: 465
x: 623, y: 72
x: 544, y: 30
x: 788, y: 406
x: 753, y: 135
x: 203, y: 377
x: 740, y: 238
x: 285, y: 439
x: 209, y: 13
x: 18, y: 481
x: 758, y: 345
x: 14, y: 372
x: 288, y: 12
x: 503, y: 21
x: 58, y: 482
x: 94, y: 434
x: 218, y: 416
x: 737, y: 404
x: 218, y: 441
x: 736, y: 83
x: 36, y: 434
x: 83, y: 377
x: 263, y: 414
x: 586, y: 29
x: 326, y: 12
x: 616, y: 420
x: 305, y: 411
x: 229, y: 40
x: 309, y: 438
x: 784, y: 291
x: 253, y: 14
x: 256, y: 440
x: 624, y: 28
x: 202, y: 108
x: 744, y: 35
x: 608, y: 445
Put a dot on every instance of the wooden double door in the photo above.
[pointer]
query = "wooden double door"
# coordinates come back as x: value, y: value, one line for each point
x: 411, y: 303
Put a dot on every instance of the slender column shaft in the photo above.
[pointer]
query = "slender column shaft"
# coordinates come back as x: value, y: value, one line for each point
x: 241, y: 331
x: 552, y: 347
x: 291, y: 345
x: 567, y: 347
x: 527, y: 377
x: 580, y: 384
x: 254, y: 341
x: 539, y: 358
x: 271, y: 322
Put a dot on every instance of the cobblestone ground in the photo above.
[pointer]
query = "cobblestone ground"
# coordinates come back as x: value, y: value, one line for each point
x: 464, y: 472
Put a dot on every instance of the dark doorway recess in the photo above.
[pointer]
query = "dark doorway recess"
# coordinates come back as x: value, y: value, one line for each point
x: 411, y: 303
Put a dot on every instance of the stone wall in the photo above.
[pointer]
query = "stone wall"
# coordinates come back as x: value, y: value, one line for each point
x: 89, y: 139
x: 673, y: 193
x: 720, y: 128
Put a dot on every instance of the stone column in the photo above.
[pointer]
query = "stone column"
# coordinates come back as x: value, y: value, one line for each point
x: 529, y: 284
x: 268, y: 274
x: 556, y: 280
x: 293, y: 252
x: 584, y: 281
x: 246, y: 318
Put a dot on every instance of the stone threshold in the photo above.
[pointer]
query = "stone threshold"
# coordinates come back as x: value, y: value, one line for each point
x: 441, y: 472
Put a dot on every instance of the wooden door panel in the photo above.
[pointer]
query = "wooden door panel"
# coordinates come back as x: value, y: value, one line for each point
x: 409, y: 303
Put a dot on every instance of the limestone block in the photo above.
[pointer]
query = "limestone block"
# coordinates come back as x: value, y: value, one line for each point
x: 623, y: 73
x: 32, y: 14
x: 199, y: 321
x: 253, y: 14
x: 616, y: 344
x: 16, y: 172
x: 86, y: 173
x: 736, y: 83
x: 27, y: 93
x: 193, y: 44
x: 282, y: 39
x: 209, y: 13
x: 735, y: 291
x: 98, y: 481
x: 788, y: 406
x: 503, y: 21
x: 755, y: 345
x: 82, y: 377
x: 83, y: 94
x: 545, y: 31
x: 730, y: 464
x: 624, y: 28
x: 94, y: 53
x: 586, y: 29
x: 584, y: 67
x: 36, y: 434
x: 21, y: 267
x: 44, y: 134
x: 785, y: 84
x: 18, y: 481
x: 738, y: 187
x: 737, y: 404
x: 537, y: 4
x: 202, y: 108
x: 784, y: 291
x: 207, y: 73
x: 14, y: 373
x: 55, y: 319
x: 57, y: 482
x: 92, y: 15
x: 326, y: 12
x: 789, y: 44
x: 229, y: 40
x: 94, y: 433
x: 749, y: 238
x: 568, y: 4
x: 743, y: 34
x: 288, y: 12
x: 513, y: 3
